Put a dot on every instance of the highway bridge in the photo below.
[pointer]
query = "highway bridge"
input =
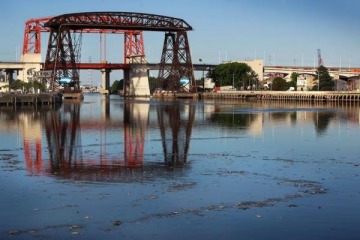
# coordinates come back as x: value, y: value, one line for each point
x: 21, y: 69
x: 336, y: 72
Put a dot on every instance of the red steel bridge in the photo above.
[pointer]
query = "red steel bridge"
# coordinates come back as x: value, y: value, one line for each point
x: 64, y: 45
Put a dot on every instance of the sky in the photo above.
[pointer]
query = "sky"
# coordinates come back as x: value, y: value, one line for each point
x: 281, y: 32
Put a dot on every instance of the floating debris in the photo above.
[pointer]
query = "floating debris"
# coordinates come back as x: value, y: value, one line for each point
x: 117, y: 223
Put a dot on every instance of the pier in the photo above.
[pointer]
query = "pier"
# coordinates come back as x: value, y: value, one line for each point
x: 284, y: 95
x: 174, y: 95
x: 30, y: 99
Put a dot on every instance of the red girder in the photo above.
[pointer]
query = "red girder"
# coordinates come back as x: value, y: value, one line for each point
x: 34, y: 27
x: 32, y: 34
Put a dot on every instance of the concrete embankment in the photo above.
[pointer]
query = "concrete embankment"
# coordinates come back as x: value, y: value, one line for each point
x: 30, y: 99
x: 278, y: 95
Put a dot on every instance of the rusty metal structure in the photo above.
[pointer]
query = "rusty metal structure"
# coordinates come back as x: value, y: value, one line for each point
x: 133, y: 45
x: 64, y: 47
x: 32, y: 35
x: 133, y: 40
x: 176, y: 63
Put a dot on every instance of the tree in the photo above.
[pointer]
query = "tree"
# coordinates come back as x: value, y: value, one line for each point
x: 117, y: 86
x: 237, y: 74
x: 293, y: 83
x: 279, y: 84
x: 152, y: 84
x: 325, y: 80
x: 27, y: 86
x: 17, y: 84
x: 37, y: 86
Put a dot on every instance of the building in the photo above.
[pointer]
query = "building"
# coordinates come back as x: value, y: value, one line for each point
x: 256, y: 65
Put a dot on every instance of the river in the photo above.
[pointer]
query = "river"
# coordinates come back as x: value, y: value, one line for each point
x: 144, y: 168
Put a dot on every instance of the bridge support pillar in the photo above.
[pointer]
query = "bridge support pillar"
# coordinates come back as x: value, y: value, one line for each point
x: 32, y: 64
x: 137, y: 78
x: 105, y: 80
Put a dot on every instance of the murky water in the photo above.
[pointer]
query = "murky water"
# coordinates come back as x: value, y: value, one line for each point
x: 139, y: 169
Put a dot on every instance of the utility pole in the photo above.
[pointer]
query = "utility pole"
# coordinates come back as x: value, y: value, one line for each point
x: 203, y: 75
x: 233, y: 81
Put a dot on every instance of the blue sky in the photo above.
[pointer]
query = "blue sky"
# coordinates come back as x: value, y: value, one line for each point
x: 282, y: 32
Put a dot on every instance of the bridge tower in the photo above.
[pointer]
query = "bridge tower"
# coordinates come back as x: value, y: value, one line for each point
x: 137, y: 76
x: 176, y: 63
x: 31, y: 49
x: 62, y: 55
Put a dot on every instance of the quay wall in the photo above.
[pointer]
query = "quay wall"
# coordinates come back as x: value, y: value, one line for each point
x: 284, y: 95
x: 30, y: 99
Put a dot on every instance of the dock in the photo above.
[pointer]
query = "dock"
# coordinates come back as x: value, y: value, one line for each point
x: 285, y: 95
x: 8, y: 99
x: 73, y: 95
x: 175, y: 95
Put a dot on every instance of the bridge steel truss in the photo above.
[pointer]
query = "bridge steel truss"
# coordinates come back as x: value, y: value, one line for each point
x: 62, y: 51
x: 176, y: 63
x: 133, y: 45
x: 133, y: 40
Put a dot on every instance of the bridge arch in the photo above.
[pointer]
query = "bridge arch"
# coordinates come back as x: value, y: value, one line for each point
x: 63, y: 50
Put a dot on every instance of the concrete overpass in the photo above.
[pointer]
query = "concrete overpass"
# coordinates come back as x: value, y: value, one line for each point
x: 336, y: 72
x: 25, y: 71
x: 31, y: 63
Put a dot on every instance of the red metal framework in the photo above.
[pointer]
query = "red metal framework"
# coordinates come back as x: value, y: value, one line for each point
x: 32, y: 34
x: 62, y: 50
x: 133, y: 46
x: 176, y: 63
x: 34, y: 27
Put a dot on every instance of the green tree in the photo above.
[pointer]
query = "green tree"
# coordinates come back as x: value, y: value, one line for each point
x: 293, y: 83
x: 37, y: 86
x: 325, y: 80
x: 237, y: 74
x: 17, y: 84
x: 117, y: 86
x: 279, y: 84
x: 152, y: 84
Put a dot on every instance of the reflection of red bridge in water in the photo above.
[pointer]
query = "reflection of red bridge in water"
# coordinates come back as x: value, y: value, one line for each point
x: 65, y: 147
x: 133, y: 149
